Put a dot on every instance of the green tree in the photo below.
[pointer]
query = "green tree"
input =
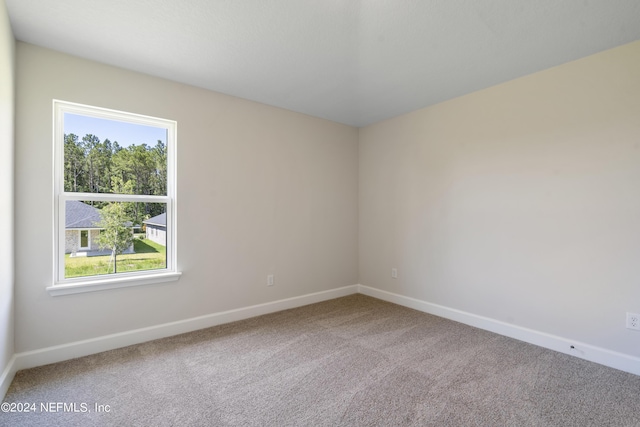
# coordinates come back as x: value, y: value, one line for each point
x: 116, y: 232
x: 74, y: 164
x: 90, y: 144
x: 159, y: 178
x: 104, y: 155
x: 132, y: 209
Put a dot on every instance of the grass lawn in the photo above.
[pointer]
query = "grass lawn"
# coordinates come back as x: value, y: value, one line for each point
x: 148, y: 256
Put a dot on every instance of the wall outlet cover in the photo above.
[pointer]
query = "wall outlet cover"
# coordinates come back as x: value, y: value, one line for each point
x: 633, y: 321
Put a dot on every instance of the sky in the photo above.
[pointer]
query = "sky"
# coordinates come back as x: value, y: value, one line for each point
x: 125, y: 133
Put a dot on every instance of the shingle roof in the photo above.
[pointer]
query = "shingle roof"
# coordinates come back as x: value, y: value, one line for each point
x: 81, y: 215
x: 157, y: 220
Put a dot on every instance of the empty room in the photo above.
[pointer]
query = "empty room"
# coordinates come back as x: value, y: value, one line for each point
x: 320, y: 213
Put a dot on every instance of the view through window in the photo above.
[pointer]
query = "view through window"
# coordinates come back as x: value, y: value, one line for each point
x: 115, y: 192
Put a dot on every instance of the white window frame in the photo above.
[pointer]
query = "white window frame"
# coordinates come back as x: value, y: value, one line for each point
x: 62, y: 285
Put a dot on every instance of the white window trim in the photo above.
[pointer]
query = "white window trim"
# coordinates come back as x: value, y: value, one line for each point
x: 63, y: 286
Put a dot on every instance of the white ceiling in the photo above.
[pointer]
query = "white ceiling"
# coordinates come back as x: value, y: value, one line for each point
x: 350, y: 61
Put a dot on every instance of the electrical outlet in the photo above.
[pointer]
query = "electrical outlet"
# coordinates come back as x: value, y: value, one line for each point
x: 394, y: 273
x: 270, y: 280
x: 633, y: 321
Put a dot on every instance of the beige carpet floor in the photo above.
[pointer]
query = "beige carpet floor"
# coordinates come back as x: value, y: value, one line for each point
x: 352, y: 361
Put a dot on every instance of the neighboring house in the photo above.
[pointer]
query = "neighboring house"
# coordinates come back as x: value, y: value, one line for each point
x: 82, y: 230
x: 157, y: 229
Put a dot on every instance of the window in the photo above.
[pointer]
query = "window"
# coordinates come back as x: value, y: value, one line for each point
x: 113, y: 171
x: 84, y: 239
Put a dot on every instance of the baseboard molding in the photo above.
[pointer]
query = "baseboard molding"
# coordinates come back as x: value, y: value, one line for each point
x: 7, y: 376
x: 73, y: 350
x: 612, y: 359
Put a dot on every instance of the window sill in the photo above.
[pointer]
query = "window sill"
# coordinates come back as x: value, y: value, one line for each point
x: 105, y: 284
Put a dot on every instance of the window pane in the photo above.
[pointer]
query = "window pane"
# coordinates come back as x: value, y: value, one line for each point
x: 111, y: 156
x: 115, y: 237
x: 84, y: 238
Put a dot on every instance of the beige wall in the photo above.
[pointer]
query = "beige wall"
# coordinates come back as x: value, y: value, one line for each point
x: 7, y: 64
x: 520, y: 203
x: 261, y: 190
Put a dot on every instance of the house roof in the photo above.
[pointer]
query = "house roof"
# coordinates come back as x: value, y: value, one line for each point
x: 160, y: 220
x: 81, y: 215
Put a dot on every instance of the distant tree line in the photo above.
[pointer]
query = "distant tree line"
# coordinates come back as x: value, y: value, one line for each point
x: 92, y: 166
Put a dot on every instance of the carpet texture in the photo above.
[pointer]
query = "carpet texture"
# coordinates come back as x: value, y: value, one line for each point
x: 352, y: 361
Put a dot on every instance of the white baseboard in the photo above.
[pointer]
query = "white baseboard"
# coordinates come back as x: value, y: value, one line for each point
x: 73, y: 350
x: 612, y: 359
x: 7, y: 376
x: 45, y: 356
